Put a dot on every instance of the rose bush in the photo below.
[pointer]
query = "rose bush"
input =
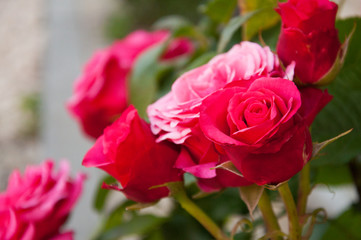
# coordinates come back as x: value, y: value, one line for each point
x: 128, y: 151
x: 37, y: 204
x: 308, y: 37
x: 100, y: 93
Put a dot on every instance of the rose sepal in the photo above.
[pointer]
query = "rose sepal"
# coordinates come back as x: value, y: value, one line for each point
x: 251, y: 195
x: 317, y: 147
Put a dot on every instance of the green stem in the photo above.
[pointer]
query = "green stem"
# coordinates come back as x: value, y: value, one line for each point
x: 178, y: 192
x: 304, y: 190
x: 294, y: 226
x: 269, y: 216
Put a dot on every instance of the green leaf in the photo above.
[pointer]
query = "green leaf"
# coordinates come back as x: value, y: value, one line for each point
x: 231, y: 28
x: 251, y: 195
x: 141, y: 224
x: 333, y: 175
x: 341, y: 114
x: 266, y: 18
x: 346, y: 226
x: 344, y: 111
x: 102, y: 194
x: 143, y: 79
x: 115, y: 217
x: 220, y: 10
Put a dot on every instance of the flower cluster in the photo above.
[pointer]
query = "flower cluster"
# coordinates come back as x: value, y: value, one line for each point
x: 243, y: 108
x: 100, y: 93
x: 37, y: 204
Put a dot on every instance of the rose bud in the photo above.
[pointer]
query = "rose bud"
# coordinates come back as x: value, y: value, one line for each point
x: 37, y: 204
x: 308, y: 37
x: 128, y: 151
x: 100, y: 94
x: 259, y: 128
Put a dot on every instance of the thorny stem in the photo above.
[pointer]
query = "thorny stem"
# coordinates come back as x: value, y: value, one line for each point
x: 178, y: 192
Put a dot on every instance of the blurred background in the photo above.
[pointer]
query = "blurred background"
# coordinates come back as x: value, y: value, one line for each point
x: 43, y: 46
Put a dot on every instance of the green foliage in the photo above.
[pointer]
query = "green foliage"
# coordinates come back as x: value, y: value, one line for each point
x: 344, y: 111
x: 143, y: 80
x: 141, y: 14
x: 333, y: 175
x: 265, y: 19
x: 231, y: 28
x: 220, y: 10
x: 102, y: 194
x: 139, y: 224
x: 346, y: 226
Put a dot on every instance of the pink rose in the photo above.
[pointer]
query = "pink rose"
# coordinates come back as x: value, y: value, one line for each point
x: 128, y: 151
x: 100, y: 94
x: 37, y: 204
x: 175, y: 116
x: 308, y: 37
x: 259, y: 128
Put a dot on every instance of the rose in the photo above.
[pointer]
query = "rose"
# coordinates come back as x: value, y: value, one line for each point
x: 200, y: 157
x: 37, y: 204
x: 308, y: 37
x: 174, y: 115
x: 128, y: 151
x: 100, y: 94
x: 259, y: 128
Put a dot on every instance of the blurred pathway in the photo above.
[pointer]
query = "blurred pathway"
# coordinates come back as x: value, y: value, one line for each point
x: 75, y: 32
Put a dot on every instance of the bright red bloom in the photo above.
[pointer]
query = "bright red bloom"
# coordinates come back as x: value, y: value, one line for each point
x: 259, y: 128
x: 128, y: 151
x: 308, y: 37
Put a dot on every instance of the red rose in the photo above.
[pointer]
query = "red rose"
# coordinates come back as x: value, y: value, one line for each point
x: 100, y: 94
x: 200, y: 157
x: 308, y: 37
x: 259, y: 128
x: 37, y: 204
x: 128, y: 151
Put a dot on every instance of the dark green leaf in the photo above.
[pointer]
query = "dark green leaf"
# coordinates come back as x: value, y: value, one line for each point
x: 143, y: 79
x: 140, y: 224
x: 102, y: 194
x: 346, y: 226
x: 231, y: 28
x: 333, y: 175
x: 340, y: 115
x: 344, y: 111
x: 220, y: 10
